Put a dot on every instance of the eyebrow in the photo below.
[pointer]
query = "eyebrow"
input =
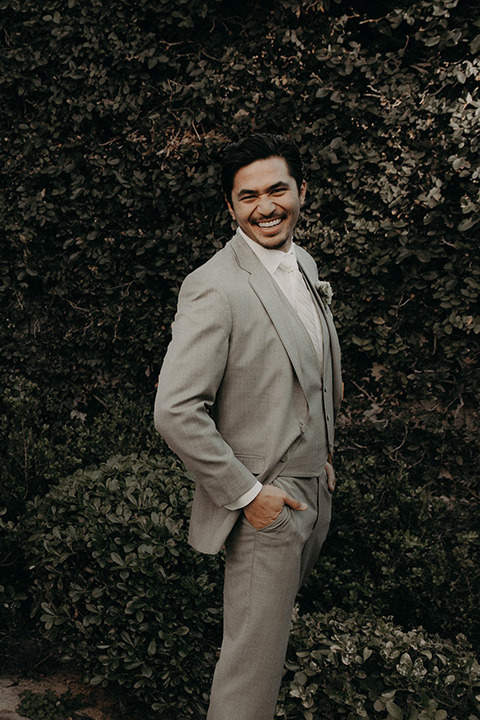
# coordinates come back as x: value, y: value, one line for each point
x: 272, y: 188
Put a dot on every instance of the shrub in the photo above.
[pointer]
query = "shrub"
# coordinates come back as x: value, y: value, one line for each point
x: 117, y: 585
x: 118, y: 589
x: 399, y: 549
x: 344, y: 667
x: 13, y: 592
x: 41, y: 442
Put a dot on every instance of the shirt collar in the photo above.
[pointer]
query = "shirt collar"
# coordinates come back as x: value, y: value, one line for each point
x: 270, y: 259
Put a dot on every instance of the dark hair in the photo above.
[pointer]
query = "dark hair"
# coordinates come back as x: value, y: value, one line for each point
x: 260, y: 147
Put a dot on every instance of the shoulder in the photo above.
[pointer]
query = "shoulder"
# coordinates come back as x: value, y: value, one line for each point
x: 303, y: 255
x: 220, y: 258
x: 220, y: 271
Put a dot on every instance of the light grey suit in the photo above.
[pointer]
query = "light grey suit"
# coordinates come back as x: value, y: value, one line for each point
x: 241, y: 397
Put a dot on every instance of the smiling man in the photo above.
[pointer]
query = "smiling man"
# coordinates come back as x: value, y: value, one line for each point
x: 247, y: 397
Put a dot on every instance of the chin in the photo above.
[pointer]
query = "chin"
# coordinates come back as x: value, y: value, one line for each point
x: 275, y: 243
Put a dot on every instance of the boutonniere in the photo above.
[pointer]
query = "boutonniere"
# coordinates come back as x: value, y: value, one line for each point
x: 325, y: 291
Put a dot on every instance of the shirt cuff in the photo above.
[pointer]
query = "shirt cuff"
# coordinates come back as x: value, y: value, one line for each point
x: 246, y: 498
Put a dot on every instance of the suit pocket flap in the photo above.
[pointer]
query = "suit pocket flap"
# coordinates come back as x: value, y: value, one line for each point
x: 254, y: 463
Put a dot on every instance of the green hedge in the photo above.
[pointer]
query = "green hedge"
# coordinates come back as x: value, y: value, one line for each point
x: 116, y: 585
x: 349, y: 667
x: 39, y: 446
x: 117, y: 588
x: 400, y: 550
x: 115, y: 118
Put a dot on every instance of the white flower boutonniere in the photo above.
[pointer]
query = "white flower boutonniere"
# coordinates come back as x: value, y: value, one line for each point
x: 325, y: 291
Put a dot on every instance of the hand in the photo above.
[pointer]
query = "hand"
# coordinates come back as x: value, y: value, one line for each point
x: 331, y: 480
x: 268, y: 505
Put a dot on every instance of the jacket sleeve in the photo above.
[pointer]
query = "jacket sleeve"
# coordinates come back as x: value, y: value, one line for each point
x: 190, y: 376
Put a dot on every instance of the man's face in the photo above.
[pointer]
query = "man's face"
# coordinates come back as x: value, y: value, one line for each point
x: 266, y: 202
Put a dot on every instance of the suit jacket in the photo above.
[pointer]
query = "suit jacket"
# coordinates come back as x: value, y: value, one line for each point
x: 232, y: 397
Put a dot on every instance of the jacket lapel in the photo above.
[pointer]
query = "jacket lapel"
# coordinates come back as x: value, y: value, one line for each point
x: 275, y: 304
x: 332, y: 333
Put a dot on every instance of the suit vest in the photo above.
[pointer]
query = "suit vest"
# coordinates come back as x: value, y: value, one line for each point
x: 308, y: 455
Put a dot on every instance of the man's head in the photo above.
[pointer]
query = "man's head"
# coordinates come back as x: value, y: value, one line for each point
x: 262, y: 179
x: 260, y: 147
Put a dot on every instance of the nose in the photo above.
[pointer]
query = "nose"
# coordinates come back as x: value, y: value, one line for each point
x: 265, y: 206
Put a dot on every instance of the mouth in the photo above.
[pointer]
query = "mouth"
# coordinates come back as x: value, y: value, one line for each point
x: 267, y: 224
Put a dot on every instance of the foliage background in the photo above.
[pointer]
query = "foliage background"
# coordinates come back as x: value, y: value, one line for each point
x: 114, y: 117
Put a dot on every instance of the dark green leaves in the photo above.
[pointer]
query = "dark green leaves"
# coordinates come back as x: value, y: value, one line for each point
x: 361, y: 666
x: 111, y: 562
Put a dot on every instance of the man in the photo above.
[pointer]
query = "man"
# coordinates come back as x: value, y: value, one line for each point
x: 247, y: 396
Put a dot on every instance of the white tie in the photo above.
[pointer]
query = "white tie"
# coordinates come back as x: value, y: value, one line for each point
x: 303, y: 301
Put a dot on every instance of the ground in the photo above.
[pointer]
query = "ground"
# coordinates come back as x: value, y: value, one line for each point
x: 32, y: 665
x: 97, y: 706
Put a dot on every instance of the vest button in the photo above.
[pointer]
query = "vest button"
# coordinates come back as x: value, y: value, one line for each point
x: 284, y: 458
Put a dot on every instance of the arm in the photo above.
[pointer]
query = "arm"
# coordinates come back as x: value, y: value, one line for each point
x: 191, y: 374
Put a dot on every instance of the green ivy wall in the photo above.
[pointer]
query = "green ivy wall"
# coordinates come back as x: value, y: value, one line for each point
x: 114, y: 117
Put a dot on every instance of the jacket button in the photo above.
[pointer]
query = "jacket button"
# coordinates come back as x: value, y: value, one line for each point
x: 284, y: 458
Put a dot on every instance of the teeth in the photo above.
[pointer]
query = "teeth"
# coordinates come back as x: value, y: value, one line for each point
x: 270, y: 223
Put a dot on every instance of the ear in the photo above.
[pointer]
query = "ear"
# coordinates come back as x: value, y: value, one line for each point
x: 303, y: 190
x: 230, y: 208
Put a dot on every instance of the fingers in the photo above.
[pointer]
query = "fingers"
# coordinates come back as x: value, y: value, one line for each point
x: 295, y: 504
x: 268, y: 504
x: 283, y: 497
x: 331, y: 480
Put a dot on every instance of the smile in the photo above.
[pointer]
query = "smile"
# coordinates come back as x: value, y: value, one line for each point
x: 270, y: 223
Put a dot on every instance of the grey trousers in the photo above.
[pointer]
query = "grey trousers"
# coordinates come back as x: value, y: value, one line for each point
x: 263, y: 572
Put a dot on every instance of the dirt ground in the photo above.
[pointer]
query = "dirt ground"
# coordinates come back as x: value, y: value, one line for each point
x: 98, y: 706
x: 32, y: 666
